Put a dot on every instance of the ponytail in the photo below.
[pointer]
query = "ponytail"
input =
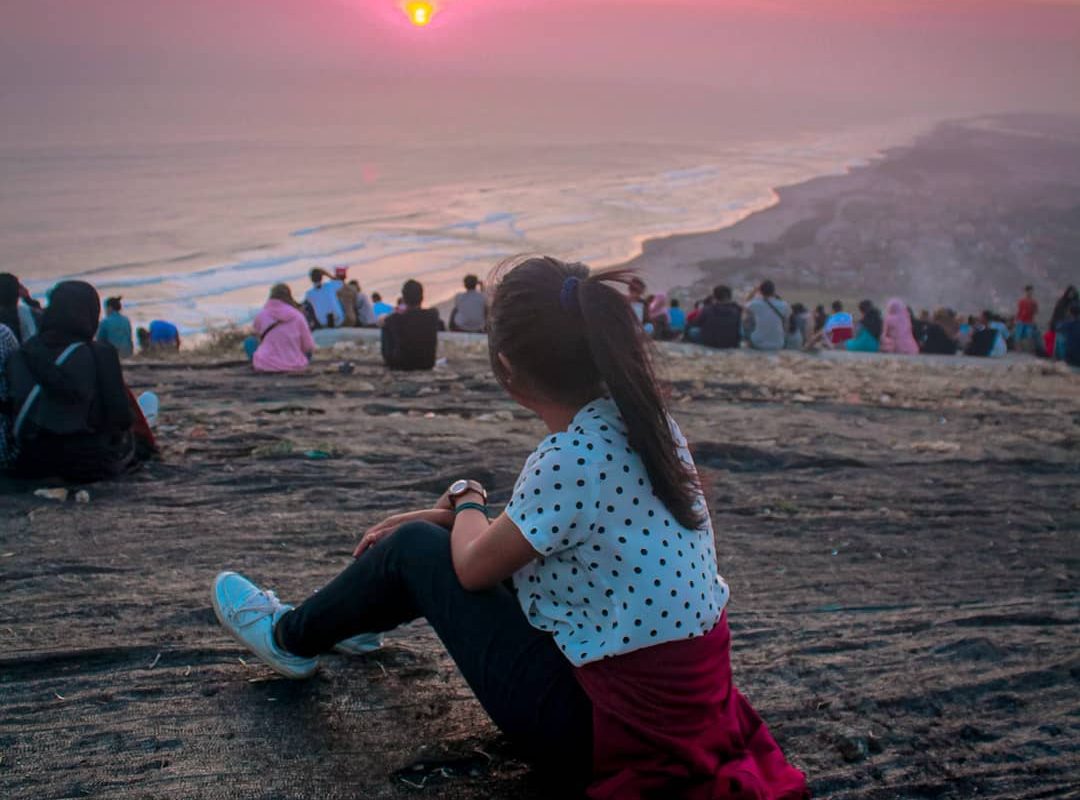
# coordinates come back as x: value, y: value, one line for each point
x: 576, y: 337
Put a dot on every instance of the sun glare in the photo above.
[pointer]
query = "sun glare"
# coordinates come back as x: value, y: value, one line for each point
x: 420, y: 12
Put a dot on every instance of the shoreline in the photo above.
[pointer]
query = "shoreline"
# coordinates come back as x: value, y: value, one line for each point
x: 909, y: 222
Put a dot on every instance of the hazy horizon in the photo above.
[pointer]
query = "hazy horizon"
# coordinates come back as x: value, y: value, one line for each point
x: 896, y: 56
x: 189, y: 153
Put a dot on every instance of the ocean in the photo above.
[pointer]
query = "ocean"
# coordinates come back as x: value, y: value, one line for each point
x: 191, y: 212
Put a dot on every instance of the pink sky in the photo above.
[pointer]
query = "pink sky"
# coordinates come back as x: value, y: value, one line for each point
x: 921, y: 54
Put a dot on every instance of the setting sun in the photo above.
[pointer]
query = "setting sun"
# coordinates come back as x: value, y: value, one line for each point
x: 420, y: 12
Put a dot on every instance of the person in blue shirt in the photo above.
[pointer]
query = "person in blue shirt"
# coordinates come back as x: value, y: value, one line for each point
x: 115, y: 329
x: 381, y: 308
x: 676, y: 317
x: 160, y: 336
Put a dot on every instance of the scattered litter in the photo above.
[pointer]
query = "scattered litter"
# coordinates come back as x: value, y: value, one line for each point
x: 154, y: 663
x: 187, y: 671
x: 318, y: 455
x: 59, y: 495
x: 430, y: 415
x: 6, y: 555
x: 935, y: 447
x: 82, y: 497
x: 59, y: 696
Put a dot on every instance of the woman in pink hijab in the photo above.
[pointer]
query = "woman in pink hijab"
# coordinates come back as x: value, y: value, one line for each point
x: 896, y: 336
x: 284, y: 339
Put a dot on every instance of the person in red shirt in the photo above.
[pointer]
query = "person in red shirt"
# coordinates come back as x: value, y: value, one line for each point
x: 1026, y: 311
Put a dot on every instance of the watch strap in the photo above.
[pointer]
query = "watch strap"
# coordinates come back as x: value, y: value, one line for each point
x: 472, y: 507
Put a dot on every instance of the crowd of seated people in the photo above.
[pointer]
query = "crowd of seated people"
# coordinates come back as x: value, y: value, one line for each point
x: 768, y: 323
x: 65, y: 410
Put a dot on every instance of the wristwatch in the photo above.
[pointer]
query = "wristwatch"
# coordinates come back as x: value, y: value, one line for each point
x: 458, y: 488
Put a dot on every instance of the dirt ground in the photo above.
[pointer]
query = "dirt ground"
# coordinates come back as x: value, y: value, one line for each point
x: 901, y: 539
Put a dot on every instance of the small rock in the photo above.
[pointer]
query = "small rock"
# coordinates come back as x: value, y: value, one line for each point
x: 852, y: 748
x: 82, y: 497
x: 58, y: 495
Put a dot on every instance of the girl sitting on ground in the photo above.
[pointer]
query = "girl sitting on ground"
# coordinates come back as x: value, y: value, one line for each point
x: 608, y: 660
x: 868, y: 337
x: 282, y: 341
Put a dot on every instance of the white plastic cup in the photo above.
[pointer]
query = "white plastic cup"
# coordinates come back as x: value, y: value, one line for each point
x: 149, y: 403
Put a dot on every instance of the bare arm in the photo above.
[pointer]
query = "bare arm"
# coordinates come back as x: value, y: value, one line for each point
x: 487, y: 553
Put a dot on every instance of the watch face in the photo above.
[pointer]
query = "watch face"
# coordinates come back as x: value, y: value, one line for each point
x: 458, y: 487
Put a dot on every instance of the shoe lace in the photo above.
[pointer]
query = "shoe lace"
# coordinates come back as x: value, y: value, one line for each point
x: 259, y: 604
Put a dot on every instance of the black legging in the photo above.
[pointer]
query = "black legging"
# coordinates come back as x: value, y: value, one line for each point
x: 521, y: 679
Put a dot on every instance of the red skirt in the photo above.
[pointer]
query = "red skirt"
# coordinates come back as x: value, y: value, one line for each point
x: 669, y: 723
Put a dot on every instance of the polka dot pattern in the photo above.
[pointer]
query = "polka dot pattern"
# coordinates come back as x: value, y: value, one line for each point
x: 616, y: 571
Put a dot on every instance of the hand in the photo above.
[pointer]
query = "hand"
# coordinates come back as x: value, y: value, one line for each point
x: 376, y: 534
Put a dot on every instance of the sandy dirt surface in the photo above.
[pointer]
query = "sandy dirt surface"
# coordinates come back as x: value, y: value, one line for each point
x: 900, y: 538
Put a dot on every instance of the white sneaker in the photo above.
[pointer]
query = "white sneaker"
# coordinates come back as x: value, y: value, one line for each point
x: 249, y: 614
x: 360, y: 645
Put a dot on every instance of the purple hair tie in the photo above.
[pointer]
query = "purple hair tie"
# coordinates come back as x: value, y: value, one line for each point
x: 568, y: 297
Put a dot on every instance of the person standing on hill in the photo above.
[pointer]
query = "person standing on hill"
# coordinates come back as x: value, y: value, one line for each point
x: 1027, y: 312
x: 410, y: 338
x: 470, y: 308
x: 116, y: 328
x: 589, y: 616
x: 766, y: 319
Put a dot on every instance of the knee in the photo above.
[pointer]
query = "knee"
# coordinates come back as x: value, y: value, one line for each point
x: 420, y: 540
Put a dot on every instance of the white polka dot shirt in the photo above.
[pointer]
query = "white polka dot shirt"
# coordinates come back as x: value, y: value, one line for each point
x: 616, y: 571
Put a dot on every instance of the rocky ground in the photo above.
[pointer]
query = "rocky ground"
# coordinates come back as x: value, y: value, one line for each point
x: 900, y: 538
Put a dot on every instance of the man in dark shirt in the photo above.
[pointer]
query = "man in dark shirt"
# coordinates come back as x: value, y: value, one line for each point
x: 410, y: 337
x: 720, y: 322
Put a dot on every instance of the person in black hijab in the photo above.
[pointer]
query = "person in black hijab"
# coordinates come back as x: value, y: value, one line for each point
x: 74, y: 416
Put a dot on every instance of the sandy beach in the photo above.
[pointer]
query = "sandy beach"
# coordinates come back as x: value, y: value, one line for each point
x: 899, y: 536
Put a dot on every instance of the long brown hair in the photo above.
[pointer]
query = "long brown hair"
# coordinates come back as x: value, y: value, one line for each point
x: 574, y: 337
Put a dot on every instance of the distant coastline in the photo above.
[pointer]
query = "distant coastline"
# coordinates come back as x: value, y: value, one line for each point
x: 971, y: 210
